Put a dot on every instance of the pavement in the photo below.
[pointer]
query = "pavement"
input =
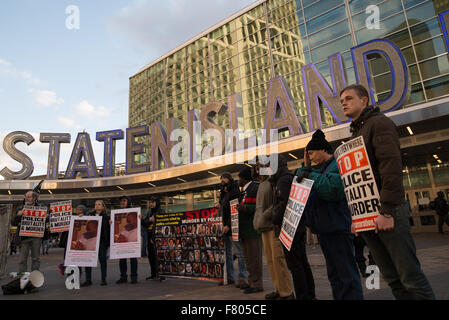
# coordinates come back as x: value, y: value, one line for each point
x: 432, y: 251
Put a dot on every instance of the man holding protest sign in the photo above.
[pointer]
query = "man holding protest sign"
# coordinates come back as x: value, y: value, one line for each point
x: 328, y: 216
x: 28, y: 243
x: 390, y: 242
x: 296, y: 257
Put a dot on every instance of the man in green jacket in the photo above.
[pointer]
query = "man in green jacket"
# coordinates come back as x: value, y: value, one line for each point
x: 328, y: 216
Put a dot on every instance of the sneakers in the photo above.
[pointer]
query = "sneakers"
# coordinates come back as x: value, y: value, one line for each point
x: 121, y: 280
x: 86, y: 283
x: 272, y: 296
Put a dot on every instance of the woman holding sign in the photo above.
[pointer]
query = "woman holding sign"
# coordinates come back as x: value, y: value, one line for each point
x: 328, y: 216
x: 100, y: 210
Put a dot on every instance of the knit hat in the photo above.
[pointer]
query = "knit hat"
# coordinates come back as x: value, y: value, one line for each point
x: 245, y: 173
x: 319, y: 142
x: 82, y: 207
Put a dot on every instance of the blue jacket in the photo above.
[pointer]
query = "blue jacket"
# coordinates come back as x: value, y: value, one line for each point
x: 327, y: 209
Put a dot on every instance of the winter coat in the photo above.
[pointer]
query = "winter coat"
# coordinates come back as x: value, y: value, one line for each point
x: 326, y: 210
x: 382, y: 144
x: 246, y: 214
x: 16, y: 221
x: 226, y: 195
x: 264, y: 206
x: 441, y: 206
x: 147, y: 224
x: 282, y: 182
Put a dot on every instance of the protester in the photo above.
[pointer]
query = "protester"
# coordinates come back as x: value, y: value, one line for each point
x: 297, y: 257
x: 144, y: 232
x: 100, y: 210
x: 263, y: 223
x: 442, y: 209
x: 250, y: 239
x: 148, y: 223
x: 125, y: 202
x: 230, y: 191
x: 391, y: 243
x: 328, y: 216
x: 28, y: 245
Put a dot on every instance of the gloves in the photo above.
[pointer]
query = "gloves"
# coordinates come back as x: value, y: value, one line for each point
x: 303, y: 174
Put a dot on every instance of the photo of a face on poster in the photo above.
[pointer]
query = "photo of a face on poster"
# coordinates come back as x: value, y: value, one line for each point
x: 84, y: 236
x: 83, y: 241
x: 125, y: 233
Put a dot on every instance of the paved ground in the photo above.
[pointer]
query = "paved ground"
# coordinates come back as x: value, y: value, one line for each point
x: 432, y: 248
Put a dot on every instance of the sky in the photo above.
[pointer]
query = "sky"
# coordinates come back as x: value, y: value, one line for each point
x: 65, y: 65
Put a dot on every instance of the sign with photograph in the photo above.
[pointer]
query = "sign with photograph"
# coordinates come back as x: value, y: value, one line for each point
x: 234, y: 219
x: 299, y: 193
x: 358, y: 180
x: 60, y: 213
x: 190, y: 244
x: 125, y: 233
x: 83, y: 241
x: 33, y: 221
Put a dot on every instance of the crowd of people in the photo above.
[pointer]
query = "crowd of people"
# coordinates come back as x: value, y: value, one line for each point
x: 262, y: 201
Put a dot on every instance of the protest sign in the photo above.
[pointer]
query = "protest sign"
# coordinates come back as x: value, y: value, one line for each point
x: 190, y: 244
x: 359, y: 183
x: 234, y: 219
x: 60, y: 213
x: 125, y: 233
x: 33, y: 221
x: 299, y: 193
x: 83, y: 241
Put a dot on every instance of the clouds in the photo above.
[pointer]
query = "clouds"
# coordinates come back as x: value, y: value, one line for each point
x: 89, y: 111
x: 45, y: 98
x: 159, y: 26
x: 8, y: 69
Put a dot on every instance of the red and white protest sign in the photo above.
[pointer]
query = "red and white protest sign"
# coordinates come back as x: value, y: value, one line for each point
x: 234, y: 219
x: 60, y: 213
x: 359, y: 183
x: 299, y: 193
x: 33, y: 221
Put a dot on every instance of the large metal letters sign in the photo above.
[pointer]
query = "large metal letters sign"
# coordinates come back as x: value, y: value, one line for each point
x: 281, y: 114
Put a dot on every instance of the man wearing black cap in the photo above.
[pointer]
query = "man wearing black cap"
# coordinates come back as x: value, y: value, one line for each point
x: 250, y: 239
x: 329, y: 217
x: 125, y: 202
x: 230, y: 191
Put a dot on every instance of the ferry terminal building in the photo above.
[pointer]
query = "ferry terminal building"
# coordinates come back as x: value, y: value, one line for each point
x: 264, y: 62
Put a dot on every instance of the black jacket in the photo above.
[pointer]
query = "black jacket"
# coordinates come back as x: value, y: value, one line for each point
x: 18, y: 219
x: 382, y: 144
x: 147, y: 224
x: 105, y: 228
x: 282, y: 182
x: 226, y: 195
x: 441, y: 206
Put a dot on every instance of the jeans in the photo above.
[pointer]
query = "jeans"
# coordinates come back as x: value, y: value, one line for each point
x: 102, y: 256
x: 143, y: 253
x: 124, y: 268
x: 45, y: 246
x: 338, y: 250
x: 230, y: 247
x: 152, y: 258
x: 29, y: 245
x: 395, y: 254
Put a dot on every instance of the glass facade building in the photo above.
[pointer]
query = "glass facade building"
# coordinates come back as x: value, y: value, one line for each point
x: 277, y: 38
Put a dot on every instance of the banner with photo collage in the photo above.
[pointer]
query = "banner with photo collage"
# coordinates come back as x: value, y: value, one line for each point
x: 190, y: 244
